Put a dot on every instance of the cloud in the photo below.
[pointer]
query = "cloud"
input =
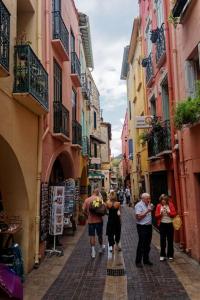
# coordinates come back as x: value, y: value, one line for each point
x: 111, y: 25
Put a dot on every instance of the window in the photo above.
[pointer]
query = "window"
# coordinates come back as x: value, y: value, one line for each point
x: 72, y: 41
x: 129, y: 110
x: 130, y: 148
x: 160, y: 14
x: 56, y: 5
x: 165, y: 101
x: 153, y: 106
x: 95, y: 120
x: 57, y: 75
x: 190, y: 77
x: 95, y: 150
x: 148, y: 36
x: 74, y: 105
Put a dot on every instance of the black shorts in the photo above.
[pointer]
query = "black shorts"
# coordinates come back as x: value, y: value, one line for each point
x: 95, y: 227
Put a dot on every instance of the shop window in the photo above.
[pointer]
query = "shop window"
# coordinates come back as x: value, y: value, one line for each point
x: 57, y: 75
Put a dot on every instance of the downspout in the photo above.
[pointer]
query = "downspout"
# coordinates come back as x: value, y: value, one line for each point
x: 39, y: 145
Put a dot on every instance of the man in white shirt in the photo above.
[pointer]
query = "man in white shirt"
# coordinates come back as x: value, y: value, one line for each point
x: 143, y: 211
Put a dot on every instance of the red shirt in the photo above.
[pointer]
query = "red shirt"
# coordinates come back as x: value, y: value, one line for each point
x: 172, y: 211
x: 92, y: 218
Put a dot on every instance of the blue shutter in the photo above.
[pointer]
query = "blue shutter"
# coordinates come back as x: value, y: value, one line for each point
x: 130, y: 148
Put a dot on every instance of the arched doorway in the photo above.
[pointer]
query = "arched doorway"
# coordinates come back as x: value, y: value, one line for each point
x: 15, y: 198
x: 62, y: 169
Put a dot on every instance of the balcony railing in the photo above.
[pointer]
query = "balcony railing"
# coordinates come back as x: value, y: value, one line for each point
x: 149, y: 69
x: 160, y: 43
x: 75, y: 64
x: 4, y: 36
x: 160, y: 139
x: 29, y: 75
x: 60, y: 31
x: 84, y: 86
x: 76, y: 133
x: 61, y: 119
x: 85, y: 146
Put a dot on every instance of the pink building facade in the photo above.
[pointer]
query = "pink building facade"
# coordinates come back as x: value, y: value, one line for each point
x: 156, y: 41
x: 186, y: 62
x: 61, y: 146
x: 125, y: 152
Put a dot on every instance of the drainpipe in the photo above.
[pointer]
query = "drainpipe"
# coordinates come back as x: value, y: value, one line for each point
x: 38, y: 179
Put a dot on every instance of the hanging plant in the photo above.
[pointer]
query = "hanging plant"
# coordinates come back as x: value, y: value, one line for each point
x: 173, y: 20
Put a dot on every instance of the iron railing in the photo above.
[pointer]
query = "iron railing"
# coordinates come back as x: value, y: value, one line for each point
x: 61, y: 119
x: 159, y: 139
x: 60, y: 31
x: 149, y: 69
x: 160, y: 43
x: 4, y: 36
x: 84, y: 86
x: 76, y: 133
x: 85, y: 146
x: 75, y: 64
x: 30, y: 75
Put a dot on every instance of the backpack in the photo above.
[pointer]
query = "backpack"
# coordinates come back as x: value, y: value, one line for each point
x: 97, y: 207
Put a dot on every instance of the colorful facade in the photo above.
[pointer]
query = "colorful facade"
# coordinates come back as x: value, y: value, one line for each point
x: 186, y: 39
x: 24, y: 103
x: 125, y: 153
x: 157, y: 62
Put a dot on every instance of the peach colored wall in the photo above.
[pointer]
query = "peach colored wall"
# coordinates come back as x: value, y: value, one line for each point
x: 51, y: 146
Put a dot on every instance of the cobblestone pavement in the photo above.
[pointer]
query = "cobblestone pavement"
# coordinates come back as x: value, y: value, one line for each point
x: 113, y: 276
x: 156, y: 282
x: 81, y: 277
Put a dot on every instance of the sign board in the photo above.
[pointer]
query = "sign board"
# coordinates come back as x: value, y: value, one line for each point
x: 95, y: 160
x: 143, y: 121
x: 57, y: 210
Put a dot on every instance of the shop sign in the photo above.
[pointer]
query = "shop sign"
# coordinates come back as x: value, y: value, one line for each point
x: 143, y: 121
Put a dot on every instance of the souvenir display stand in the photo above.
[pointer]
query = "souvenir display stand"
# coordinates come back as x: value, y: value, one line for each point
x: 56, y: 217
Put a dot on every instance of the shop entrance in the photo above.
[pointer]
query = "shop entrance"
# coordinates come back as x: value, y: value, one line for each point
x: 14, y: 202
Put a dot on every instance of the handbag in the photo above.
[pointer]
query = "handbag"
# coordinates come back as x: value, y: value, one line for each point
x: 177, y: 222
x: 97, y: 207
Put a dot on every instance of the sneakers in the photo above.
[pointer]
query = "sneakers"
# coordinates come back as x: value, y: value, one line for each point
x: 93, y: 253
x: 162, y: 258
x: 171, y: 258
x: 110, y: 248
x: 102, y: 249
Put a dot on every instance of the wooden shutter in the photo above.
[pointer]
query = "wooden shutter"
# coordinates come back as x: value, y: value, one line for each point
x: 190, y: 77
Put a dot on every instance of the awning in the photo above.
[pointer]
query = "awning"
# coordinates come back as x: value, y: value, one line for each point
x: 95, y: 138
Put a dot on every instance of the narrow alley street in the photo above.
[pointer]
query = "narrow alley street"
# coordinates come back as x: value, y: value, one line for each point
x: 113, y: 276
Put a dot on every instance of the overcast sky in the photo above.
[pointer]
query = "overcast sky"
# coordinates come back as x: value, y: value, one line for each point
x: 111, y: 25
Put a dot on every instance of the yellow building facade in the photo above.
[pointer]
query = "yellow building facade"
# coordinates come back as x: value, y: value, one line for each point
x: 136, y: 107
x: 23, y: 101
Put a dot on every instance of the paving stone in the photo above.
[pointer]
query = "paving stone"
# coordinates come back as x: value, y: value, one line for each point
x: 156, y: 282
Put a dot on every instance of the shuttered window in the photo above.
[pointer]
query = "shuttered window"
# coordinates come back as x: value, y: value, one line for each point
x: 130, y: 148
x: 190, y: 77
x: 95, y: 120
x: 57, y: 74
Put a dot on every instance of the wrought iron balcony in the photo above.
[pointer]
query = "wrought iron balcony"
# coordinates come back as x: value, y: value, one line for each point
x: 30, y: 80
x: 160, y: 139
x: 76, y: 133
x: 149, y: 69
x: 4, y: 40
x: 61, y: 121
x: 84, y: 86
x: 85, y: 146
x: 160, y: 44
x: 75, y: 69
x: 60, y: 36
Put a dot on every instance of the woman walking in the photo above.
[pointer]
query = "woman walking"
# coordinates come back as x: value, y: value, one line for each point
x: 113, y: 229
x: 165, y: 212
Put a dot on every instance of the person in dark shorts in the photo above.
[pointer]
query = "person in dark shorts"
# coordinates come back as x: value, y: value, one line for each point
x: 95, y: 224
